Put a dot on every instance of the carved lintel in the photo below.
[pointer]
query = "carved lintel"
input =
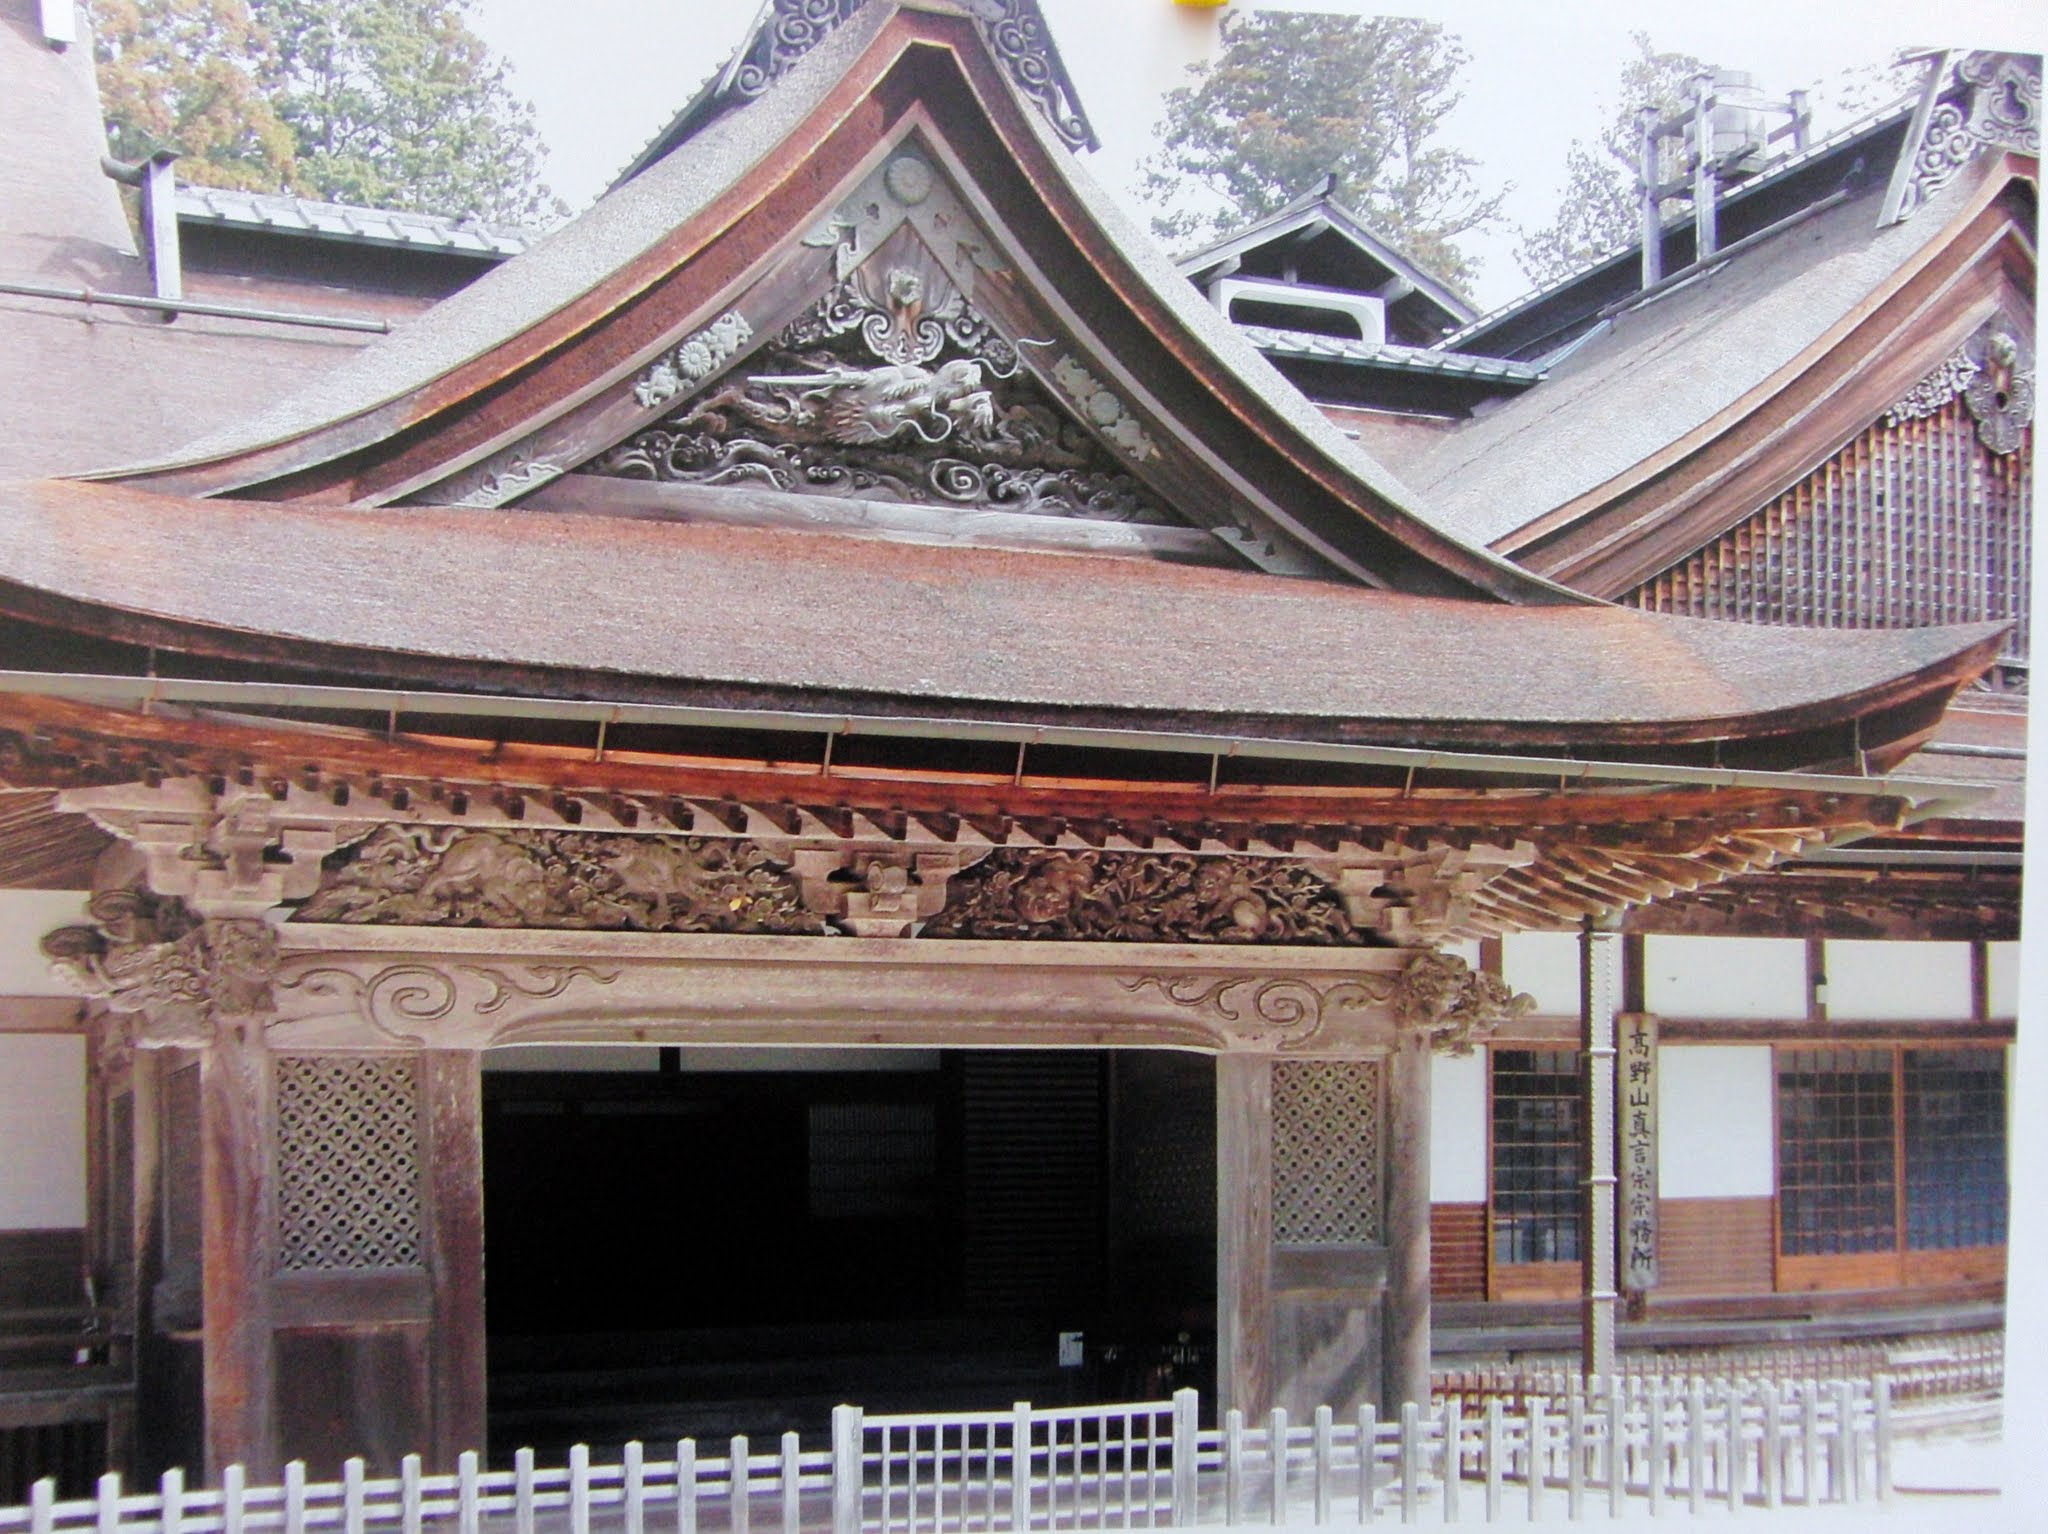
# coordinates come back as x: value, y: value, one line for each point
x: 450, y: 1003
x: 1270, y: 1011
x: 1436, y: 995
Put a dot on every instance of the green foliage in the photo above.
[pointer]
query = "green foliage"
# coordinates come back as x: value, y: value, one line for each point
x: 193, y: 74
x: 389, y: 103
x: 1600, y: 208
x: 1292, y: 98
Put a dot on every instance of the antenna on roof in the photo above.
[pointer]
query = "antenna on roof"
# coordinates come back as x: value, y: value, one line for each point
x: 1723, y: 135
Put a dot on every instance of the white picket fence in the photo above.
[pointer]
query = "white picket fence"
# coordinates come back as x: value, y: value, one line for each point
x: 1601, y: 1452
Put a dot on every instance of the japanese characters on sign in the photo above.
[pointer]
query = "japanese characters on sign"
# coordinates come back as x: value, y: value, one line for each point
x: 1636, y: 1087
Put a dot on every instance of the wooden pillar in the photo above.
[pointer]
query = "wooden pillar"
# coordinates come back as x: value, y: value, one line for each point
x: 1599, y: 1001
x: 1405, y: 1366
x: 1244, y: 1232
x: 452, y: 1088
x: 239, y: 1386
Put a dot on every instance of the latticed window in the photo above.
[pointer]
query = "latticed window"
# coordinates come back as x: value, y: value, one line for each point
x: 1536, y: 1147
x: 1890, y: 1150
x: 1915, y: 522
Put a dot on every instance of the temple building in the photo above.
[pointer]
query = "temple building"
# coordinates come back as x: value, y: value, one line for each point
x: 840, y: 782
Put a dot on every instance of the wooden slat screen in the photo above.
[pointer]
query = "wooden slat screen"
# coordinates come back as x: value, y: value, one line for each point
x: 1457, y: 1251
x: 1911, y: 524
x: 1713, y: 1246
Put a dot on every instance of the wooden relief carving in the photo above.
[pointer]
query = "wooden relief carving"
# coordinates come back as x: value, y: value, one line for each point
x: 892, y: 387
x: 1994, y: 103
x: 1326, y: 1153
x: 1993, y: 371
x: 1436, y: 994
x: 143, y: 953
x: 1135, y: 897
x: 348, y: 1163
x: 450, y: 876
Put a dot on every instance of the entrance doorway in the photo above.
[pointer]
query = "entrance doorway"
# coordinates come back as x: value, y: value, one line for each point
x: 709, y: 1241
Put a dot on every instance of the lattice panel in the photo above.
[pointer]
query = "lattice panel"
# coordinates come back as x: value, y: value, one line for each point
x: 1915, y: 522
x: 1326, y: 1153
x: 348, y: 1163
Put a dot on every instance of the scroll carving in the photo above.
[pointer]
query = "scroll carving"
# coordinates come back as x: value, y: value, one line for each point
x: 1993, y: 371
x: 449, y: 876
x: 1016, y: 31
x: 1136, y: 897
x: 405, y: 1000
x: 793, y: 28
x: 1437, y: 995
x: 1993, y: 102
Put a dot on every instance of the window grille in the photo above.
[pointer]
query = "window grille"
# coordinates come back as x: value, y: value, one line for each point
x: 1536, y: 1150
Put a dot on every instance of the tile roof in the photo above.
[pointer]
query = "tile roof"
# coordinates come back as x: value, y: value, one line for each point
x: 1387, y: 354
x: 281, y: 212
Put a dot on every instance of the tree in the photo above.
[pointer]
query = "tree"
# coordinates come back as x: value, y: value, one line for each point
x: 391, y: 103
x: 194, y: 74
x: 1291, y: 98
x: 1600, y: 208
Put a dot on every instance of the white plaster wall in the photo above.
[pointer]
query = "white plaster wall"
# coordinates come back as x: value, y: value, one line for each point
x: 42, y: 1131
x: 25, y: 915
x: 1714, y: 1118
x: 1725, y: 977
x: 1457, y: 1128
x: 2002, y: 979
x: 1891, y: 982
x: 1545, y: 965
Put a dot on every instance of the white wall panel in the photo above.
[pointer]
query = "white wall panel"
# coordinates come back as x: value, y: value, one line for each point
x: 25, y: 915
x: 1545, y: 965
x: 42, y: 1131
x: 1717, y: 977
x: 2002, y: 982
x: 1457, y: 1128
x: 1893, y: 982
x: 1714, y: 1121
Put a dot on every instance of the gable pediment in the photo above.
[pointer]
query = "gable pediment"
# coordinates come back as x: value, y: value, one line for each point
x: 900, y: 310
x: 893, y: 356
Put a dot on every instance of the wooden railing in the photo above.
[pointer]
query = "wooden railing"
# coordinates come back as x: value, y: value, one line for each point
x: 1147, y: 1464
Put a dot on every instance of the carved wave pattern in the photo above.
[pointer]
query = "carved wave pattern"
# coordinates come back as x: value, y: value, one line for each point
x: 447, y: 876
x: 1134, y: 897
x: 949, y: 419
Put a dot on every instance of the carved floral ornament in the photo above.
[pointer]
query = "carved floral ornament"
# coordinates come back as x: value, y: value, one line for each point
x: 1993, y: 371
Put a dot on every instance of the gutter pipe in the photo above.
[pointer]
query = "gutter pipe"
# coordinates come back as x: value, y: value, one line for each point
x: 1928, y: 797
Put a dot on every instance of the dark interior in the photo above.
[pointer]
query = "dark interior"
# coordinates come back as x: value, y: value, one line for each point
x: 699, y: 1252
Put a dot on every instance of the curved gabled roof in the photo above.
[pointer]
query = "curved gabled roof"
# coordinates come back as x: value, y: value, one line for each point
x: 657, y: 258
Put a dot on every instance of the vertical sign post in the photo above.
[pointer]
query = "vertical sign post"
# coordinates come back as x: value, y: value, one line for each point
x: 1636, y: 1084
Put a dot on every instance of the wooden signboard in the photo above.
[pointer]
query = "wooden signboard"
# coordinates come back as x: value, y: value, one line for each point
x: 1636, y: 1086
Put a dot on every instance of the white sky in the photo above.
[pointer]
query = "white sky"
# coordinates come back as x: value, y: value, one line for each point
x: 604, y: 75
